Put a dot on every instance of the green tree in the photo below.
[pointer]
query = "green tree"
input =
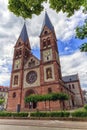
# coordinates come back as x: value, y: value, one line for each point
x: 26, y: 8
x: 1, y: 101
x: 81, y: 32
x: 47, y: 97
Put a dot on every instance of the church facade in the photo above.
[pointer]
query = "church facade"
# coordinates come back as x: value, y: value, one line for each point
x: 33, y: 76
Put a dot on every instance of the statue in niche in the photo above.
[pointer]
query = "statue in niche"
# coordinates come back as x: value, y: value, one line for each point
x: 16, y: 80
x: 48, y: 73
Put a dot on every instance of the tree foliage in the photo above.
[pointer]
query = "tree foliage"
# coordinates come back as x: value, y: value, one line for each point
x: 83, y: 47
x: 47, y: 97
x: 26, y: 8
x: 1, y: 101
x: 81, y: 32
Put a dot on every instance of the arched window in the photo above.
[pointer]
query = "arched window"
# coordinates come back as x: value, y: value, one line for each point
x: 16, y: 54
x: 19, y: 43
x: 20, y: 52
x: 46, y: 32
x: 44, y: 44
x: 14, y: 94
x: 73, y: 86
x: 49, y: 73
x: 69, y: 86
x: 49, y: 90
x: 48, y: 42
x: 30, y: 105
x: 15, y: 79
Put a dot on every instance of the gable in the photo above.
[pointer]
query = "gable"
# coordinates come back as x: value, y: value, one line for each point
x: 32, y: 62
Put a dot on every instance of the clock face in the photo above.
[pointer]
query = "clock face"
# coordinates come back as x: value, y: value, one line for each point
x: 17, y: 62
x: 31, y: 77
x: 47, y: 53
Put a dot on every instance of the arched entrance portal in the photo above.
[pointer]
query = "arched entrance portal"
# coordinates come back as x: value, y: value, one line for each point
x: 30, y: 105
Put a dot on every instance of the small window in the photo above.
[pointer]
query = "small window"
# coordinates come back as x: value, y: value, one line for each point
x: 14, y: 94
x: 45, y: 32
x: 47, y: 57
x: 19, y: 52
x: 48, y: 42
x: 44, y: 44
x: 70, y: 79
x: 49, y: 90
x: 19, y: 43
x: 69, y: 86
x: 73, y: 86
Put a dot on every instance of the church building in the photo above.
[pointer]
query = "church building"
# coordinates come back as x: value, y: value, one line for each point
x: 33, y: 76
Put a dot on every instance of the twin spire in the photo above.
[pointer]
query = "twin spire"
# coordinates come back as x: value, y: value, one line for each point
x: 24, y: 34
x: 46, y: 22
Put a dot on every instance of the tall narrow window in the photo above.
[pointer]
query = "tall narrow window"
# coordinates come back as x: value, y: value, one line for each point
x: 49, y: 73
x: 49, y: 90
x: 44, y: 44
x: 45, y: 32
x: 73, y: 86
x: 48, y: 42
x: 15, y: 79
x: 69, y: 86
x: 14, y: 94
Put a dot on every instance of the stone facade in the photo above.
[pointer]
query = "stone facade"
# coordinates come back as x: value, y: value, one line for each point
x: 4, y: 95
x: 33, y: 76
x: 72, y: 83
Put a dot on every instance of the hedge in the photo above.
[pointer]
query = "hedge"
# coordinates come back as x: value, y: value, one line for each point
x: 8, y: 114
x: 50, y: 114
x: 79, y: 114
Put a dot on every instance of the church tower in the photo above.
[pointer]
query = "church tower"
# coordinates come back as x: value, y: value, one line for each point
x: 22, y: 50
x: 51, y: 79
x: 50, y: 62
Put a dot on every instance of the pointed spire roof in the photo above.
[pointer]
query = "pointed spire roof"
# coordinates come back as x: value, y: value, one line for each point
x: 47, y: 22
x: 24, y: 35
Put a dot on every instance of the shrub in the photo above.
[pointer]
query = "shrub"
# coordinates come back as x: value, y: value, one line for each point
x: 79, y: 114
x: 21, y: 114
x: 85, y: 107
x: 50, y: 114
x: 39, y: 114
x: 9, y: 114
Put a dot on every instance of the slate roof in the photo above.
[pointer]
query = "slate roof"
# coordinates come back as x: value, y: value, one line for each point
x: 70, y: 78
x: 24, y: 35
x: 47, y: 22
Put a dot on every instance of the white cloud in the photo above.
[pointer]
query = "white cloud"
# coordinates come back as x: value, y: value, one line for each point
x: 75, y: 63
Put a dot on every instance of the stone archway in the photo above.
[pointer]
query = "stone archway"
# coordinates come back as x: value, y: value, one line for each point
x: 31, y: 105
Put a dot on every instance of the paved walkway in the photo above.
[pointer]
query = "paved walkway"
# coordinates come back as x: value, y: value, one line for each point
x: 12, y: 127
x: 42, y: 124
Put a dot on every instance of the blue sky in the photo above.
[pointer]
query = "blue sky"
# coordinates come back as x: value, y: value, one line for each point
x: 72, y: 60
x: 70, y: 46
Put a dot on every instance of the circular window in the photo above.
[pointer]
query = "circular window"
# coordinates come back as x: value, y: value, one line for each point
x: 31, y: 77
x: 14, y: 95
